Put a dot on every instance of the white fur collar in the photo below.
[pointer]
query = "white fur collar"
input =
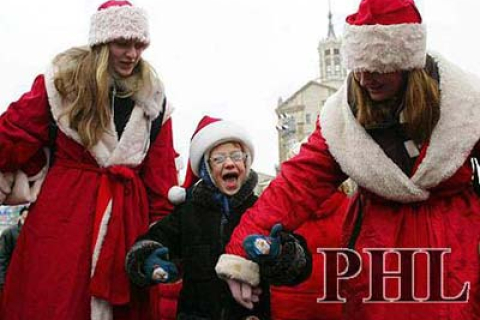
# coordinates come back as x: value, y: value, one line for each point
x: 134, y: 143
x: 453, y: 138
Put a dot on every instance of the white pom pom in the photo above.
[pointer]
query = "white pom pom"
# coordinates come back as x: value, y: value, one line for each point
x: 177, y: 195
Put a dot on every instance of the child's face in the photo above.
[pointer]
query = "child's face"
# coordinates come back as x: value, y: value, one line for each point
x: 227, y: 166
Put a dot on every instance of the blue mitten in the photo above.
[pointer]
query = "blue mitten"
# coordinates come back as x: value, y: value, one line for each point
x: 283, y: 257
x: 158, y: 269
x: 260, y: 247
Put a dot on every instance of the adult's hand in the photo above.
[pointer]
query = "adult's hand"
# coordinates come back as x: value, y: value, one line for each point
x: 6, y: 180
x: 243, y: 293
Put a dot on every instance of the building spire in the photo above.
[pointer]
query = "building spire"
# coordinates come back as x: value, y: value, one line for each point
x: 331, y: 31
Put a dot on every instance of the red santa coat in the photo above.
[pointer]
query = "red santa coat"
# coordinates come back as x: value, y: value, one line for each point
x: 69, y: 261
x: 300, y: 302
x: 435, y: 207
x: 164, y: 300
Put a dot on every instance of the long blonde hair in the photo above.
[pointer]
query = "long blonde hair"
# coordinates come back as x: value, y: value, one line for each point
x: 421, y: 101
x: 83, y: 80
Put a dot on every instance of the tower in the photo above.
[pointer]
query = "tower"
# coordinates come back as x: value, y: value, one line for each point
x: 332, y: 71
x: 297, y: 114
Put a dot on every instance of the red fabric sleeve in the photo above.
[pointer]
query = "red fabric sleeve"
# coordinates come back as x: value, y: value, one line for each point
x: 24, y: 130
x: 295, y: 196
x: 160, y: 173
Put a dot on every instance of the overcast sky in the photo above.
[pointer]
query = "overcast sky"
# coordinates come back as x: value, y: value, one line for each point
x: 225, y: 58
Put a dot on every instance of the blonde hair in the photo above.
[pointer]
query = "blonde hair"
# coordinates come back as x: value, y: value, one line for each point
x: 83, y: 80
x: 421, y: 101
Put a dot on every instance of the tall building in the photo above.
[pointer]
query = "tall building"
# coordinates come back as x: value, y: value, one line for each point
x: 297, y: 114
x: 332, y: 71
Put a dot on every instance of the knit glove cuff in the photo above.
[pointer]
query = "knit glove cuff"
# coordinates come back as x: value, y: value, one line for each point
x: 292, y: 266
x: 134, y: 262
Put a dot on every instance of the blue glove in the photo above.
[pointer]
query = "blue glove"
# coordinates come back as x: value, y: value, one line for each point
x: 260, y: 247
x: 158, y: 269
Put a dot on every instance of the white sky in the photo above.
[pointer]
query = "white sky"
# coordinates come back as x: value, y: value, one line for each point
x: 225, y: 58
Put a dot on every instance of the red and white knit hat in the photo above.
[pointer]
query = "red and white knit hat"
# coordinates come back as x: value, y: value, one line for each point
x: 210, y: 132
x: 384, y: 36
x: 118, y: 19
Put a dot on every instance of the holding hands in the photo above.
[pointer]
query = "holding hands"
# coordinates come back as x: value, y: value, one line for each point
x: 278, y: 259
x: 258, y: 247
x: 244, y: 293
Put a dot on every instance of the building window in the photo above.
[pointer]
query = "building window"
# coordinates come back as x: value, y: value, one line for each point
x: 291, y: 125
x: 336, y: 51
x: 308, y: 118
x: 327, y: 52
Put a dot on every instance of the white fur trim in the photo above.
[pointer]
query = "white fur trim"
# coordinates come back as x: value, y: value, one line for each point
x: 177, y: 195
x: 384, y: 48
x: 100, y: 309
x: 360, y: 157
x: 150, y: 98
x: 458, y: 129
x: 169, y: 108
x: 102, y: 232
x: 230, y: 266
x: 118, y: 22
x: 214, y: 134
x: 453, y: 138
x: 179, y: 163
x: 134, y: 144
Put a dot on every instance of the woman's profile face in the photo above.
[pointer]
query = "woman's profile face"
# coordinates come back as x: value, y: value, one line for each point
x: 380, y: 86
x: 124, y: 56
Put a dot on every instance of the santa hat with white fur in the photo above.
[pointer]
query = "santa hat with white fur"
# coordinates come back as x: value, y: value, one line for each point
x: 384, y: 36
x: 209, y: 133
x: 118, y: 20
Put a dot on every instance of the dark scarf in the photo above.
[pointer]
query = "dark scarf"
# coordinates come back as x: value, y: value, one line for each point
x: 207, y: 194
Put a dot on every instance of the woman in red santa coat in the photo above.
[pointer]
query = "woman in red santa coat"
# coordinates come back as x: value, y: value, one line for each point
x: 404, y: 127
x: 112, y: 168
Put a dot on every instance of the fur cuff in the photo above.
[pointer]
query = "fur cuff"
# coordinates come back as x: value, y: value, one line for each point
x: 135, y: 259
x: 230, y: 266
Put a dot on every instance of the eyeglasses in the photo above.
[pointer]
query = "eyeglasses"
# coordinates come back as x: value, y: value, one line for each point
x: 235, y: 156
